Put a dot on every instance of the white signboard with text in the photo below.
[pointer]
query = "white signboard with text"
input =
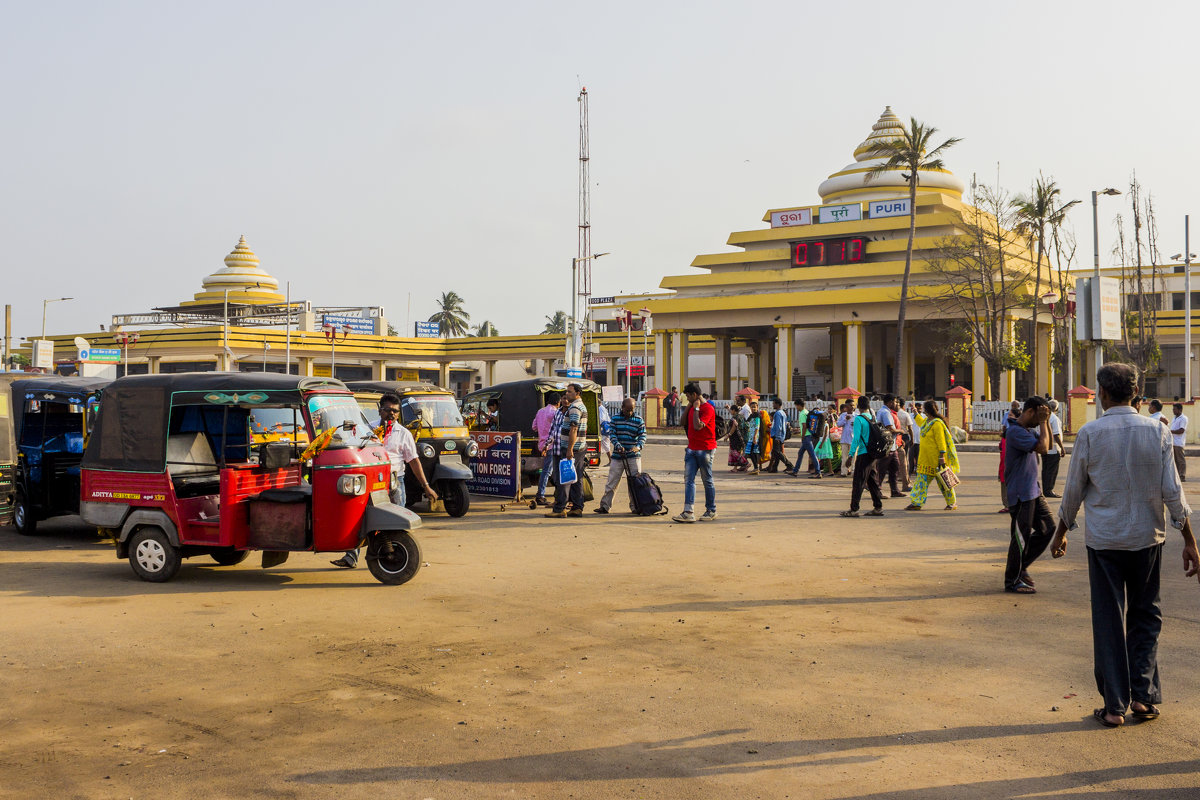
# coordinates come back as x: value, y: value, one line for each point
x: 877, y: 209
x: 787, y: 219
x: 1106, y: 310
x: 843, y: 213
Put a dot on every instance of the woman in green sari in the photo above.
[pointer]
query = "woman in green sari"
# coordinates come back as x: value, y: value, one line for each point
x: 937, y: 452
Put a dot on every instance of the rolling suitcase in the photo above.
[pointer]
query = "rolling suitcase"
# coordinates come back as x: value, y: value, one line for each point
x: 645, y: 499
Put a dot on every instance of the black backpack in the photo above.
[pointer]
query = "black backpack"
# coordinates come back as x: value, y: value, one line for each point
x: 879, y: 441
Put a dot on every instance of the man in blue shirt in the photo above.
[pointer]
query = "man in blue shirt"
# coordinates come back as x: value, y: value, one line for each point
x: 628, y: 438
x: 1032, y: 527
x: 864, y: 465
x: 779, y: 426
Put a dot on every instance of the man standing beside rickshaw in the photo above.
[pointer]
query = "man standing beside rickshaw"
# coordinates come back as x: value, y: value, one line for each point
x: 402, y: 449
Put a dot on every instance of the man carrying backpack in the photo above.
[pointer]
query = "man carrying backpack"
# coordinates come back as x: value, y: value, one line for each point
x: 806, y: 446
x: 865, y: 429
x: 779, y: 429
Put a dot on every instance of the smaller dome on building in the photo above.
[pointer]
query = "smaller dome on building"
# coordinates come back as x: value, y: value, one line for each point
x: 847, y: 184
x: 246, y: 281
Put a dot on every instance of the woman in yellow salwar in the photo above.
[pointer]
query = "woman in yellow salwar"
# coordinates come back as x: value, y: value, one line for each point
x: 937, y: 453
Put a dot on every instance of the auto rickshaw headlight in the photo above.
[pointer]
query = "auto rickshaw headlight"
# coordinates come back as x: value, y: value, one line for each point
x: 427, y: 450
x: 352, y: 485
x: 472, y: 449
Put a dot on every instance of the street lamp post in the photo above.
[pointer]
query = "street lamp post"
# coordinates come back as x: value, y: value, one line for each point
x: 645, y: 346
x: 571, y: 356
x: 1188, y: 255
x: 331, y: 334
x: 126, y: 340
x: 1099, y: 345
x: 1050, y: 298
x: 46, y: 303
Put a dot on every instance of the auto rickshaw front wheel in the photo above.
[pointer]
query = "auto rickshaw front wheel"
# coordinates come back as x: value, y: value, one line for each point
x: 152, y: 555
x: 401, y: 564
x: 23, y: 517
x: 455, y: 497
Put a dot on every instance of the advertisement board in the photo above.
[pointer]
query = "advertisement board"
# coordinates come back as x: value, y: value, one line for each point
x: 356, y: 324
x: 497, y: 465
x: 1106, y: 309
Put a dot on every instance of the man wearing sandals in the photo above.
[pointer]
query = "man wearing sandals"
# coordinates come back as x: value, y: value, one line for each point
x: 1032, y: 525
x: 1123, y: 472
x: 864, y: 466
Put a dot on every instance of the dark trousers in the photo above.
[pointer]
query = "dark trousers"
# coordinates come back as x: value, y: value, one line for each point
x: 913, y: 450
x: 1180, y: 463
x: 1030, y: 534
x: 777, y: 455
x: 864, y: 475
x: 1126, y: 621
x: 1050, y: 462
x: 573, y: 490
x: 888, y: 467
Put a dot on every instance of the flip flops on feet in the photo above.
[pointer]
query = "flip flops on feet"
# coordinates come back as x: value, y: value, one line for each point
x: 1149, y: 711
x: 1101, y: 716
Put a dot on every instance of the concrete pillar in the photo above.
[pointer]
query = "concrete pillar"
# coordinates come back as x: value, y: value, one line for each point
x: 768, y: 361
x: 152, y: 366
x: 722, y: 356
x: 1192, y: 363
x: 837, y: 354
x: 1008, y: 378
x: 878, y: 337
x: 304, y: 366
x: 908, y: 359
x: 752, y: 369
x: 979, y: 379
x: 679, y: 358
x: 444, y: 374
x: 941, y: 375
x: 611, y: 375
x: 785, y: 353
x: 856, y: 356
x: 662, y: 360
x: 378, y: 370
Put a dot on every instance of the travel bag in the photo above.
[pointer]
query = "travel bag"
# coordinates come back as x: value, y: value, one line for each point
x: 645, y: 498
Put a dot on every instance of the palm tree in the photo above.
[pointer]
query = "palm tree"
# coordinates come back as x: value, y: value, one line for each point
x: 1039, y: 215
x: 485, y: 328
x: 910, y: 152
x: 451, y: 318
x: 556, y: 323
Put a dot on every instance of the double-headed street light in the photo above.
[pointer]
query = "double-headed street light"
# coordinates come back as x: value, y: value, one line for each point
x: 1051, y: 299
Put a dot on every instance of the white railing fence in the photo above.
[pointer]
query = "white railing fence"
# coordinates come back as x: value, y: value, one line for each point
x: 988, y: 415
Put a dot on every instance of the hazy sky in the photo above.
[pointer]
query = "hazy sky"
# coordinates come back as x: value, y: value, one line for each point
x: 373, y: 150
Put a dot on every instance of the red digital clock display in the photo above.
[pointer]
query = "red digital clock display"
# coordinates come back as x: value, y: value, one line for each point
x: 828, y: 251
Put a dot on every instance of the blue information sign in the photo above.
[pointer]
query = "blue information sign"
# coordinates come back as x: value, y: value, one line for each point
x: 356, y: 324
x: 497, y: 465
x: 427, y: 330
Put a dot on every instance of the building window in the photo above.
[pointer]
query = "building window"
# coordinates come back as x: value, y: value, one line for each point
x: 1177, y: 299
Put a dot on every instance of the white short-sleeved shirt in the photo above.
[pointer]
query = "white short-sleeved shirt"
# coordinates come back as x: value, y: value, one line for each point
x: 846, y: 423
x: 1055, y: 430
x: 906, y: 421
x: 1178, y: 430
x: 400, y: 446
x: 744, y: 411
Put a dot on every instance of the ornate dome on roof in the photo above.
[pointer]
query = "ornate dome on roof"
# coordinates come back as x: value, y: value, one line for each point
x: 246, y: 281
x: 847, y: 184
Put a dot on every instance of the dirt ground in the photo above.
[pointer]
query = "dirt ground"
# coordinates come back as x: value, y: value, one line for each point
x: 780, y: 652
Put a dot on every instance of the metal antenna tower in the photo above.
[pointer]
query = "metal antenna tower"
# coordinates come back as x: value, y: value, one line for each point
x: 583, y: 288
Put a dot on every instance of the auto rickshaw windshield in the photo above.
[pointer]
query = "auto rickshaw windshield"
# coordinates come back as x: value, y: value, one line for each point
x: 335, y: 411
x: 433, y: 411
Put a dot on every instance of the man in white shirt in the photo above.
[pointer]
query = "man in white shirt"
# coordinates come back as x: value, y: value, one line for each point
x: 1178, y: 434
x: 402, y: 450
x: 1052, y: 458
x: 906, y: 423
x: 1156, y: 412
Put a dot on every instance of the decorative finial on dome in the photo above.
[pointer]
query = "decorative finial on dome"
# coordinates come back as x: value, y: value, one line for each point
x: 242, y: 277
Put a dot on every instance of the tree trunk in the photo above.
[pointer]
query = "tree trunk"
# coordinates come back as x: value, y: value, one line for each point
x: 912, y: 232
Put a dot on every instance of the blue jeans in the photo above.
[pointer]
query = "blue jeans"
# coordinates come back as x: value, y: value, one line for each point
x: 806, y: 446
x: 548, y: 463
x: 702, y: 461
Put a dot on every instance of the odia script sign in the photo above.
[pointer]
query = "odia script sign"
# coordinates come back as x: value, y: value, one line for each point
x: 497, y: 465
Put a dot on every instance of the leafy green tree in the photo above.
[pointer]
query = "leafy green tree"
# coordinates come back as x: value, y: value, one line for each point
x: 1039, y: 216
x: 451, y: 319
x: 556, y: 323
x: 485, y: 328
x: 910, y: 152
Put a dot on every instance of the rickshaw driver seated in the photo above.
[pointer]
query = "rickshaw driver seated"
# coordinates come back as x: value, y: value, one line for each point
x: 402, y: 449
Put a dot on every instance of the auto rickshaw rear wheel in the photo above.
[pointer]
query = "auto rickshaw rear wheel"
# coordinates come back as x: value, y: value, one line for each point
x: 23, y: 517
x: 455, y: 497
x: 152, y: 555
x: 227, y: 557
x: 401, y: 564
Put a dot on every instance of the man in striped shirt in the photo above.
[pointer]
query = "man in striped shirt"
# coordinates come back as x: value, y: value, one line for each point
x: 628, y: 437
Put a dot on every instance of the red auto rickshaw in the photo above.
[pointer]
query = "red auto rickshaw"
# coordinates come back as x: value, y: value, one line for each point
x: 176, y: 468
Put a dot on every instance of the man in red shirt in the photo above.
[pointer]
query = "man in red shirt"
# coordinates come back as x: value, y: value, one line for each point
x: 700, y: 422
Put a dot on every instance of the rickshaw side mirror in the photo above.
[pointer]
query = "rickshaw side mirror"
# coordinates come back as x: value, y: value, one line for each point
x: 348, y: 425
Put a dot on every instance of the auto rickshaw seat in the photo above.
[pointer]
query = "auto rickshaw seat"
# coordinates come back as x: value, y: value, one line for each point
x: 300, y: 493
x: 192, y: 465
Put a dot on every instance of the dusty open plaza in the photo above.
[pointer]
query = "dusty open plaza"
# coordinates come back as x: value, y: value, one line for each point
x: 778, y: 652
